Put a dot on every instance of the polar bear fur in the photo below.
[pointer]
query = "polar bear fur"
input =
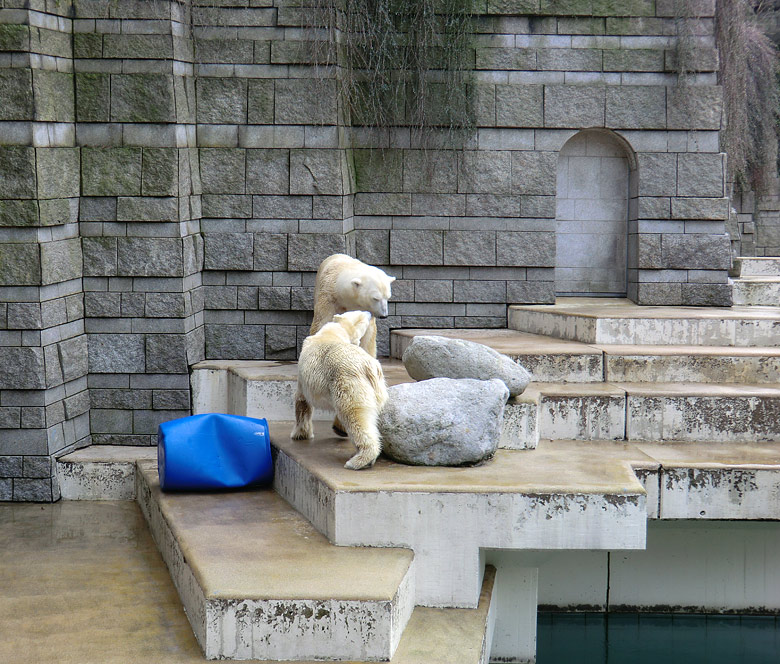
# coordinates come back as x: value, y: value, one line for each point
x: 334, y: 372
x: 344, y: 284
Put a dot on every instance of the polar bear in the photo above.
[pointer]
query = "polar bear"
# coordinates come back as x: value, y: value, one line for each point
x: 335, y: 373
x: 344, y: 284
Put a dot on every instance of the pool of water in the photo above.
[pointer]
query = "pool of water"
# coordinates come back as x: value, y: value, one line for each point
x: 651, y: 638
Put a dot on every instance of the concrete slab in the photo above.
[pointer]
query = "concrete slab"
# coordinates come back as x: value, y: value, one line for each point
x: 101, y: 472
x: 533, y: 499
x: 258, y: 582
x: 619, y: 321
x: 757, y: 266
x: 756, y: 291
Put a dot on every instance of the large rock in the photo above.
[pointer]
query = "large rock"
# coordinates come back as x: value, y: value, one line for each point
x: 435, y: 357
x: 442, y: 421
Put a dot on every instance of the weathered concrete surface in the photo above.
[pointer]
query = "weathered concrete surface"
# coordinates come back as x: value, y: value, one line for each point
x: 618, y: 321
x: 757, y: 266
x: 259, y: 582
x: 757, y: 291
x: 522, y: 499
x: 101, y: 472
x: 592, y: 411
x: 443, y: 421
x: 432, y: 356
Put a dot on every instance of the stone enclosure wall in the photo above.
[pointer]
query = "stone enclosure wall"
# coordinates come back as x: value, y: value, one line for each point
x: 172, y: 173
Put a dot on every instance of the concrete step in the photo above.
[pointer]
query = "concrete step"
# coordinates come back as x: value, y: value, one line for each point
x: 757, y: 266
x: 756, y: 291
x: 551, y: 360
x: 258, y: 582
x: 550, y: 498
x: 619, y: 321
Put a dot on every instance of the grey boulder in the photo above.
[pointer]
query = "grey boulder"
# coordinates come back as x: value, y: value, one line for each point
x: 443, y: 421
x: 429, y: 356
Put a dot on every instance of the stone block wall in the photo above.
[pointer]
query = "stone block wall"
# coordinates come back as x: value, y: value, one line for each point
x: 172, y: 173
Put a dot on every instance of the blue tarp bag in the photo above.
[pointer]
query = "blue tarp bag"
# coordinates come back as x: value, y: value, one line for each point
x: 213, y: 451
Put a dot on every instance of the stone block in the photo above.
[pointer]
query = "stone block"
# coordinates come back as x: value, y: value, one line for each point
x: 694, y: 107
x: 372, y: 246
x: 695, y: 251
x: 519, y: 105
x: 57, y: 211
x: 306, y: 251
x: 58, y: 172
x: 76, y: 405
x: 33, y: 490
x: 170, y: 399
x: 11, y: 466
x: 568, y: 59
x: 479, y: 291
x: 383, y: 204
x: 706, y: 295
x: 439, y: 205
x: 268, y: 171
x: 574, y: 106
x: 302, y: 299
x: 700, y: 175
x: 513, y: 59
x: 430, y: 171
x: 659, y: 294
x: 14, y: 37
x: 103, y: 305
x: 166, y: 353
x: 18, y: 213
x: 305, y: 101
x: 223, y: 51
x: 378, y: 170
x: 53, y: 96
x: 534, y: 172
x: 221, y: 100
x: 142, y: 98
x: 160, y: 172
x: 227, y: 206
x: 228, y: 251
x: 428, y: 290
x: 261, y: 101
x: 315, y: 171
x: 700, y: 208
x: 416, y: 247
x: 280, y: 342
x: 17, y: 172
x: 149, y: 257
x: 17, y: 94
x: 634, y: 60
x: 111, y: 171
x: 157, y: 47
x: 282, y: 207
x: 109, y: 420
x: 636, y: 107
x: 147, y: 208
x: 525, y: 249
x: 93, y: 97
x: 222, y: 170
x: 99, y: 256
x: 24, y: 316
x: 56, y: 312
x: 270, y: 251
x: 6, y: 484
x: 235, y: 342
x: 116, y: 353
x: 657, y: 173
x: 273, y: 298
x: 20, y: 265
x: 225, y: 297
x: 469, y: 248
x: 73, y: 357
x: 485, y: 172
x: 61, y: 261
x: 10, y: 418
x: 654, y: 207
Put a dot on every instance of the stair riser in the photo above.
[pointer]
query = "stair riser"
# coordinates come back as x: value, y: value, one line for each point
x: 648, y: 331
x: 703, y: 419
x: 692, y: 369
x: 756, y: 293
x: 759, y: 267
x: 582, y: 418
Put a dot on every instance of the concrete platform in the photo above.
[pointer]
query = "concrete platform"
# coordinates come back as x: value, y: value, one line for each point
x: 258, y: 582
x: 757, y: 266
x: 551, y: 360
x: 619, y: 321
x: 756, y: 291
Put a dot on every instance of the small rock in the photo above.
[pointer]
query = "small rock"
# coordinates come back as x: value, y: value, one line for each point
x: 443, y: 421
x: 433, y: 357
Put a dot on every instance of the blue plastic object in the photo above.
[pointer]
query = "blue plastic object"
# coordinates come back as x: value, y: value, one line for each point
x: 213, y: 451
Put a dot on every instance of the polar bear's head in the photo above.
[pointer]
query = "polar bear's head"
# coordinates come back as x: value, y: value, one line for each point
x: 371, y: 290
x: 355, y: 323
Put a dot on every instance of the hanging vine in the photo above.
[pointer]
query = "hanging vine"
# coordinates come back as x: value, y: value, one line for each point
x: 400, y: 62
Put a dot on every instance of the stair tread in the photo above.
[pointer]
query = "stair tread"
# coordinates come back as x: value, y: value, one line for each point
x: 252, y: 544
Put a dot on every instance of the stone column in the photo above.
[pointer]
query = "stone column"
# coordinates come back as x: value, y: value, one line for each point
x: 44, y: 402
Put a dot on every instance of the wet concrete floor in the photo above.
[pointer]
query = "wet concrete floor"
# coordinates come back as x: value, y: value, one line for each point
x: 83, y: 583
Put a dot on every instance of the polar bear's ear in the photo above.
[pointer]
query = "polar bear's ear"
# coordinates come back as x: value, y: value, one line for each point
x: 392, y: 279
x: 356, y: 282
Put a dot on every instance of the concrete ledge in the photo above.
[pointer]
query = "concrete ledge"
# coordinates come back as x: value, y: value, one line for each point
x: 258, y: 582
x: 101, y: 472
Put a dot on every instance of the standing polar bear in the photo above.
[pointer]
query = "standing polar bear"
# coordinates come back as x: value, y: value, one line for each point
x: 344, y: 284
x: 335, y: 373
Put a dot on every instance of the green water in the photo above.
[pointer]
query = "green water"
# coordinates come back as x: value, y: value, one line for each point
x: 630, y: 638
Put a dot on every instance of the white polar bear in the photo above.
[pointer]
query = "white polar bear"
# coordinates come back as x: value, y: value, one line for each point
x: 335, y: 373
x: 344, y: 284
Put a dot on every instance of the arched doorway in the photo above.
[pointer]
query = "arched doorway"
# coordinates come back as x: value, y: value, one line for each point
x: 591, y: 219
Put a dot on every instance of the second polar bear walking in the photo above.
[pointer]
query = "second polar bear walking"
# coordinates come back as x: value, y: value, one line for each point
x: 335, y: 373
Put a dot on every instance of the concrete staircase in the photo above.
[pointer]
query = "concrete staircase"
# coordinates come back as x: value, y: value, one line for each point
x: 757, y: 281
x: 635, y: 413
